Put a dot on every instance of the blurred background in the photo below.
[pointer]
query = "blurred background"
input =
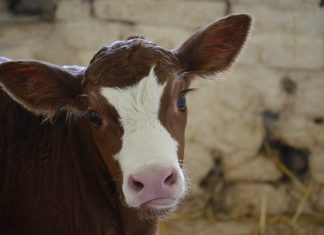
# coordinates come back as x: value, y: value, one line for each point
x: 255, y: 136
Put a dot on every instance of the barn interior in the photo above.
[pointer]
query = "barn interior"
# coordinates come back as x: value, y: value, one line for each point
x: 255, y: 134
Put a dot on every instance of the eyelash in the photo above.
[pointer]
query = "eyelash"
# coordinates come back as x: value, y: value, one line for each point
x: 181, y: 100
x: 186, y: 91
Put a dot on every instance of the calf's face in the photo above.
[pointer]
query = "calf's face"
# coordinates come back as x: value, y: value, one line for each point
x: 133, y: 96
x: 142, y: 84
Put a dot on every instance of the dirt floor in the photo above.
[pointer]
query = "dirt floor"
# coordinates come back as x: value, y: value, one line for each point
x: 194, y: 218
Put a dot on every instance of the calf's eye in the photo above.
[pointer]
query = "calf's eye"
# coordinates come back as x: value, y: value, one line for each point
x: 181, y: 103
x: 95, y: 119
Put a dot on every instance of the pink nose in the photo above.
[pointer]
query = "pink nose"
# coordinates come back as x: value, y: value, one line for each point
x: 154, y: 185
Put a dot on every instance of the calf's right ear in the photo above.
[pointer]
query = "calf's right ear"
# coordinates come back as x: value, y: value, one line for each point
x: 40, y: 87
x: 214, y: 48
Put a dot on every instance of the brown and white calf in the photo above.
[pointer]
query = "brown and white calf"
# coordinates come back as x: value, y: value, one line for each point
x: 99, y: 150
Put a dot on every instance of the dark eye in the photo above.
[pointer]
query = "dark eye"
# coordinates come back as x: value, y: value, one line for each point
x: 181, y: 102
x: 95, y: 119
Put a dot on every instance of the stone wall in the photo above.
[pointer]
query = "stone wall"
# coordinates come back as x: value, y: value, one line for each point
x: 257, y: 132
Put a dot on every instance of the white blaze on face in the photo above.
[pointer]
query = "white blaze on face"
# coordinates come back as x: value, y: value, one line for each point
x: 145, y: 142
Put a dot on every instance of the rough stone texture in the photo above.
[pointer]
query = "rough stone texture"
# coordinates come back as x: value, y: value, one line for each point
x: 258, y: 169
x: 316, y: 165
x: 230, y: 104
x: 292, y: 17
x: 245, y: 198
x: 166, y: 13
x: 301, y: 122
x: 73, y: 10
x: 320, y: 201
x: 285, y: 33
x: 225, y: 116
x: 198, y: 163
x: 293, y: 51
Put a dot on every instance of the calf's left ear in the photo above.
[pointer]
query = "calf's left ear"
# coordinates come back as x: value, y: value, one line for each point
x: 214, y: 48
x: 40, y: 87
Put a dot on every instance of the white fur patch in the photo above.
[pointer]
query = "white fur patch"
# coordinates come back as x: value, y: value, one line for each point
x: 145, y: 142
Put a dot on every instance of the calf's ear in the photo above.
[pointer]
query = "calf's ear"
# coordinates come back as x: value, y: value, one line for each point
x: 214, y: 48
x: 40, y: 87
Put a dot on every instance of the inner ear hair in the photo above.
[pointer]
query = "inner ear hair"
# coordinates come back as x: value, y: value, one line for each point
x: 42, y: 88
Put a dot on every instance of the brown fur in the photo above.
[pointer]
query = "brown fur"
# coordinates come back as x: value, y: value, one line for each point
x: 58, y: 176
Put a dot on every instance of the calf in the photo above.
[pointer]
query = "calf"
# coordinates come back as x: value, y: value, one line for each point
x: 99, y: 150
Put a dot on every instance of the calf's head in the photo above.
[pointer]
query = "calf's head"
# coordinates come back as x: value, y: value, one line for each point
x: 133, y: 97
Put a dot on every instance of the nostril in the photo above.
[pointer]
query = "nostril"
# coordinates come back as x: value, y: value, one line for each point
x: 170, y: 179
x: 135, y: 185
x: 138, y: 185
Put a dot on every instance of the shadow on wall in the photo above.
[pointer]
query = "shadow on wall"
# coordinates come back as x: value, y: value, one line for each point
x: 44, y: 8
